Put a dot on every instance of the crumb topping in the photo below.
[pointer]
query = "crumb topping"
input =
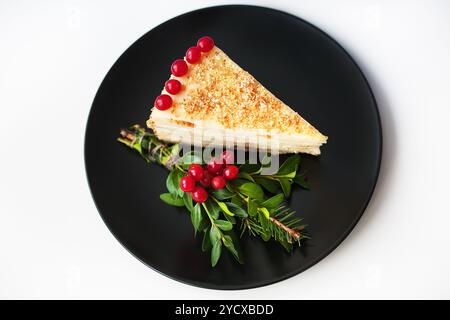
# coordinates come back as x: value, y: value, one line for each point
x: 219, y: 90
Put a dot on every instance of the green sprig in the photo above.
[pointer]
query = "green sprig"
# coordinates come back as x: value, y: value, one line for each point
x: 242, y: 204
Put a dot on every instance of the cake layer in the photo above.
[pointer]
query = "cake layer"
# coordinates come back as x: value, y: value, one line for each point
x: 275, y: 142
x: 219, y: 101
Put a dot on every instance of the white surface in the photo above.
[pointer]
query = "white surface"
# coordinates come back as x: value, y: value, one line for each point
x: 53, y: 243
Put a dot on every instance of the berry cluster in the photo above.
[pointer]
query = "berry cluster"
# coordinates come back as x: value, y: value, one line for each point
x: 214, y: 175
x: 179, y: 68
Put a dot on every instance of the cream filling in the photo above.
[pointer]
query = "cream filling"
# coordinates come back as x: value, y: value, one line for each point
x: 164, y: 119
x: 206, y: 134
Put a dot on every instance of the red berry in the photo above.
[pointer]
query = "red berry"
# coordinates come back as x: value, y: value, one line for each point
x: 172, y: 86
x: 206, y: 180
x: 199, y: 195
x: 163, y: 102
x: 193, y: 55
x: 214, y: 166
x: 205, y: 44
x: 195, y: 171
x: 179, y: 68
x: 230, y: 172
x: 187, y: 184
x: 218, y: 182
x: 227, y: 157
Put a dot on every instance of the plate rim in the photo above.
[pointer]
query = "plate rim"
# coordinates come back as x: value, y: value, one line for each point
x: 314, y: 261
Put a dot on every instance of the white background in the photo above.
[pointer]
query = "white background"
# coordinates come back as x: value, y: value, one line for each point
x: 53, y: 243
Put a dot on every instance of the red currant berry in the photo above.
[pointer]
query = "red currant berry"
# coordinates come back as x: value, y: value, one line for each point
x: 199, y: 195
x: 187, y: 184
x: 227, y: 157
x: 205, y: 44
x: 206, y: 180
x: 163, y: 102
x: 214, y: 166
x: 193, y: 55
x: 230, y: 172
x: 218, y: 182
x: 195, y: 171
x: 179, y: 68
x: 172, y: 86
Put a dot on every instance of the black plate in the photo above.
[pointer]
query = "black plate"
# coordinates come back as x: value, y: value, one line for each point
x: 301, y: 65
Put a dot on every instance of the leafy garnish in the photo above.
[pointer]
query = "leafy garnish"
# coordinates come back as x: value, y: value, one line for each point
x: 253, y: 203
x: 171, y: 200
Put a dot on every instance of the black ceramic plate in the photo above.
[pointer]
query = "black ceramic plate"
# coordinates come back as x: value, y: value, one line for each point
x: 298, y: 63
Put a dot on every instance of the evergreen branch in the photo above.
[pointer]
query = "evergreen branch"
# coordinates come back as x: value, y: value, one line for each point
x: 280, y: 214
x: 292, y: 233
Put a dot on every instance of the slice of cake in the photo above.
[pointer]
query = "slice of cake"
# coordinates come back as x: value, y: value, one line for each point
x: 210, y: 100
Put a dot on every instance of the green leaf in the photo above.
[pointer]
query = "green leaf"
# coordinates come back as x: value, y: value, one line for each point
x: 250, y: 168
x: 228, y: 242
x: 273, y: 202
x: 236, y: 209
x: 216, y: 252
x: 214, y: 235
x: 170, y: 200
x: 286, y: 186
x: 301, y: 182
x: 252, y: 208
x: 213, y: 208
x: 245, y: 175
x: 235, y: 241
x: 268, y: 184
x: 290, y: 175
x: 204, y: 223
x: 206, y: 243
x: 265, y: 212
x: 263, y: 221
x: 222, y: 194
x: 173, y: 183
x: 289, y: 166
x: 238, y: 182
x: 230, y: 218
x: 171, y: 187
x: 191, y: 157
x: 196, y: 217
x: 236, y: 200
x: 224, y: 225
x: 176, y: 181
x: 252, y: 190
x: 187, y: 199
x: 223, y: 206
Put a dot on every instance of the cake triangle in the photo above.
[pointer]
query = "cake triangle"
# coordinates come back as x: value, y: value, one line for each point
x: 219, y: 101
